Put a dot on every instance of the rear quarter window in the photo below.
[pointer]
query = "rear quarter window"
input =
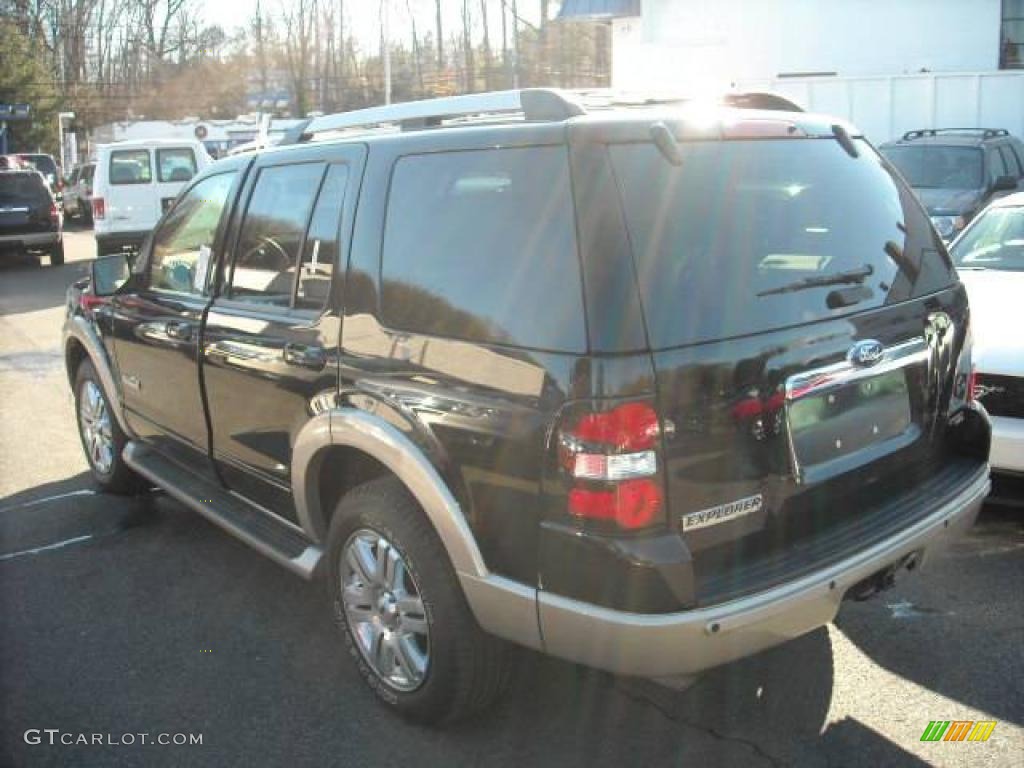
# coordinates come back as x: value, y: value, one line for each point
x: 130, y: 166
x: 480, y: 245
x: 719, y: 237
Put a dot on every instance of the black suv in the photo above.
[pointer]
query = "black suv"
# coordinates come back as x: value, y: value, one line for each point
x: 634, y: 387
x: 30, y: 218
x: 957, y: 171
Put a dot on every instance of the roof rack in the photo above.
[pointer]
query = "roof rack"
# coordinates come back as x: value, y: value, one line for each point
x: 985, y: 133
x: 534, y: 104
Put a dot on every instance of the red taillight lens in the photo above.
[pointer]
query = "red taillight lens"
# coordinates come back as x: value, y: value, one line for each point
x: 89, y: 302
x: 631, y: 504
x: 972, y: 384
x: 629, y: 427
x: 54, y: 212
x: 99, y: 208
x: 611, y: 457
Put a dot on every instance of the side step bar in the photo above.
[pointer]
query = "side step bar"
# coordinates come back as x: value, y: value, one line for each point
x: 275, y: 539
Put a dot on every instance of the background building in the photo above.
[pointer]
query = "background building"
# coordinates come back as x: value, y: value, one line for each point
x: 888, y: 66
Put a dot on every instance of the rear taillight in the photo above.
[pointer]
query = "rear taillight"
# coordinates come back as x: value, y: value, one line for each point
x: 99, y: 208
x: 611, y: 459
x: 89, y: 301
x: 54, y: 212
x: 972, y: 385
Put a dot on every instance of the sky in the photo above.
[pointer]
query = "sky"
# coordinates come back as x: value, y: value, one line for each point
x: 364, y: 15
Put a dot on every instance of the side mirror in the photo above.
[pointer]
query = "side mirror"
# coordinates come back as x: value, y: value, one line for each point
x: 109, y: 273
x: 1004, y: 184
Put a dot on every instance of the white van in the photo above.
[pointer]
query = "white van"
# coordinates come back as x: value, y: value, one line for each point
x: 135, y: 182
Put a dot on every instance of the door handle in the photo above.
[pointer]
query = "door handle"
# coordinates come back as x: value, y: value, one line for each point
x: 178, y: 330
x: 304, y: 356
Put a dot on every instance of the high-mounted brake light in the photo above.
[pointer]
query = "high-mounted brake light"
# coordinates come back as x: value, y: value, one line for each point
x: 99, y: 208
x: 612, y: 459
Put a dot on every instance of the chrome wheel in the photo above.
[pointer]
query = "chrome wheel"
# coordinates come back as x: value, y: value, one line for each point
x: 94, y: 421
x: 384, y: 611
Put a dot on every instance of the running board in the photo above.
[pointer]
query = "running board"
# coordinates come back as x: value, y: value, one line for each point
x: 274, y: 538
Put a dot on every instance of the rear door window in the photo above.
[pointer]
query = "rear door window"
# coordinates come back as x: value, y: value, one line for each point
x: 725, y: 241
x: 130, y: 166
x: 481, y: 245
x: 177, y: 164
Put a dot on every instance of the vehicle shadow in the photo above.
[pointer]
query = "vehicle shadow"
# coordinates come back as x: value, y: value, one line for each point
x: 107, y: 636
x: 26, y: 285
x: 767, y: 709
x: 955, y: 630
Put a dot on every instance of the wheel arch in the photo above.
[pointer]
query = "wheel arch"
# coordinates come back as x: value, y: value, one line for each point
x: 386, y: 448
x: 81, y: 343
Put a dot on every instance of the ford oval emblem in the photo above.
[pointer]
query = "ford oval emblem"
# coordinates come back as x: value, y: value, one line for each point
x: 866, y: 353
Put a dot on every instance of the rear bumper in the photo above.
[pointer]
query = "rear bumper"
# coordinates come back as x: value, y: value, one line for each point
x: 1007, y: 444
x: 112, y: 242
x: 684, y: 643
x: 30, y: 240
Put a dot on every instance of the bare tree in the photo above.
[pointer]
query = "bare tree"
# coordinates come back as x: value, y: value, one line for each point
x: 487, y: 45
x: 299, y: 18
x: 440, y: 35
x: 467, y: 46
x: 416, y: 61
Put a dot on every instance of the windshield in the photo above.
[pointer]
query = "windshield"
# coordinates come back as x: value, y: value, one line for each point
x: 746, y: 236
x: 937, y: 167
x: 996, y: 241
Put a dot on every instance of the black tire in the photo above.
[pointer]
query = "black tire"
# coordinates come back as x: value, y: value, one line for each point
x: 119, y: 477
x: 57, y: 254
x: 467, y: 668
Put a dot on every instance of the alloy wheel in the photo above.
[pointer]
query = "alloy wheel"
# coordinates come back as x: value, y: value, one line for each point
x: 384, y: 610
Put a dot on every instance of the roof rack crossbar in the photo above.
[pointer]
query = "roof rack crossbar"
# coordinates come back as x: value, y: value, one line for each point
x: 536, y: 104
x: 985, y: 133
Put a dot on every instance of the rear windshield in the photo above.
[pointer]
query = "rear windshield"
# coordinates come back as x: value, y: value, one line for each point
x: 21, y: 188
x: 178, y: 164
x: 130, y: 166
x: 42, y: 163
x: 935, y: 167
x: 995, y: 241
x: 731, y: 240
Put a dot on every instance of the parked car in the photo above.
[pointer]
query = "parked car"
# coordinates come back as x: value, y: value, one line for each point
x: 78, y: 193
x: 632, y: 388
x: 989, y: 255
x: 957, y: 171
x: 47, y: 166
x: 29, y: 216
x: 134, y: 183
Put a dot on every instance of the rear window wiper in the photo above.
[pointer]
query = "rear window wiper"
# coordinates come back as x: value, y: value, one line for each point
x: 858, y: 275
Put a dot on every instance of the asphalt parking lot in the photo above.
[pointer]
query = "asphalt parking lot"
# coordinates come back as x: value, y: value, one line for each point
x: 129, y: 616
